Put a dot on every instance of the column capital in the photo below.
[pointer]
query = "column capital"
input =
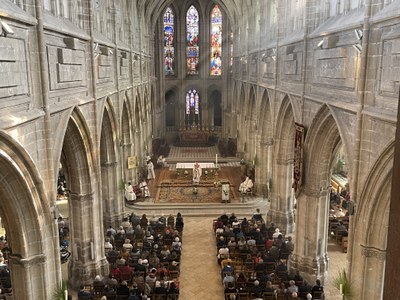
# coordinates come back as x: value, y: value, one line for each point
x: 28, y: 262
x: 373, y: 252
x: 81, y: 197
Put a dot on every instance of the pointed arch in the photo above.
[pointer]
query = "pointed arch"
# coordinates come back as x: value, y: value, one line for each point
x: 369, y: 235
x: 109, y: 157
x: 26, y: 216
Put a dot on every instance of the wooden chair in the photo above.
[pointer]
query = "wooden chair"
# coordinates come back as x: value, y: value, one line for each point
x: 230, y: 296
x: 317, y: 295
x: 268, y: 296
x: 345, y: 242
x: 282, y: 296
x: 270, y: 267
x: 243, y: 295
x: 173, y: 274
x: 158, y: 297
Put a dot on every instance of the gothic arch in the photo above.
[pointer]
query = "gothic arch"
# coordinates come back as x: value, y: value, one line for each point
x: 85, y: 210
x: 321, y: 140
x: 313, y: 202
x: 108, y: 163
x: 280, y: 185
x: 369, y: 233
x: 28, y: 221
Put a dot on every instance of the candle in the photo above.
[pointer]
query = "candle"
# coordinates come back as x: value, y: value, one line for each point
x: 66, y: 294
x: 341, y: 289
x: 216, y: 159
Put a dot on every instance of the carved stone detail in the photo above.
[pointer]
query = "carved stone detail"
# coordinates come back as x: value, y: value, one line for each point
x: 373, y: 252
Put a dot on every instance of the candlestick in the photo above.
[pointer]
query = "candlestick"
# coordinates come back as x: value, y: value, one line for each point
x: 341, y: 289
x: 216, y: 159
x: 66, y: 294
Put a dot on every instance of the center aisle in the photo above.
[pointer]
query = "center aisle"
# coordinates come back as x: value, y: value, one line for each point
x: 199, y: 271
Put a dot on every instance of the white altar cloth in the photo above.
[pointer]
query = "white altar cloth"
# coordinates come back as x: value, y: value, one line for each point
x: 191, y: 165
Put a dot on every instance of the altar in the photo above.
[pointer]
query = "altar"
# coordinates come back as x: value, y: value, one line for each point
x: 187, y: 168
x: 194, y: 136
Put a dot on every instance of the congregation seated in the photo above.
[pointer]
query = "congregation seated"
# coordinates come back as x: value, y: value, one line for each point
x: 144, y: 259
x: 248, y: 245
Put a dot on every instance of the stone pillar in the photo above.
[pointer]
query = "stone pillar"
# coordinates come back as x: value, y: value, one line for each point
x: 113, y: 197
x: 29, y: 277
x: 310, y: 253
x: 87, y: 240
x: 281, y: 212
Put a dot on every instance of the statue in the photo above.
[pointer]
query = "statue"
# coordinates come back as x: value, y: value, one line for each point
x: 196, y: 173
x: 246, y: 185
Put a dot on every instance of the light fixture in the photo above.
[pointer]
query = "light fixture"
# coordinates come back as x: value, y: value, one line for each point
x: 320, y: 44
x: 358, y: 48
x: 5, y: 29
x: 358, y: 33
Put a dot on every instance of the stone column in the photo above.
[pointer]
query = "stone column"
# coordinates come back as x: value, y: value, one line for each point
x: 113, y: 198
x: 310, y: 254
x: 87, y: 240
x: 29, y: 277
x: 281, y: 212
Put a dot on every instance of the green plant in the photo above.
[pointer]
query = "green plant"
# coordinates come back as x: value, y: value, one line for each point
x: 59, y: 292
x: 342, y: 283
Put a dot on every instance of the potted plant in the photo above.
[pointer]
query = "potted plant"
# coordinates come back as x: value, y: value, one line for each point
x: 60, y: 292
x: 343, y: 284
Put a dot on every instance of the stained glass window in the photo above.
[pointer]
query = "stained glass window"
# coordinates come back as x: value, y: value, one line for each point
x: 192, y: 102
x: 192, y: 41
x: 216, y: 41
x: 169, y: 50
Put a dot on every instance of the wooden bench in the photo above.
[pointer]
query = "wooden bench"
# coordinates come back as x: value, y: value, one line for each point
x: 345, y: 241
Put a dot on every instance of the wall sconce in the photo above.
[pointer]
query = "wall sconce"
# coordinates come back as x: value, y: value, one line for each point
x: 358, y: 48
x: 5, y: 29
x: 358, y: 33
x: 320, y: 44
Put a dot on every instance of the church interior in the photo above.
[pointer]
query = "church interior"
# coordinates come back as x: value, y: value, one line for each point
x: 115, y: 109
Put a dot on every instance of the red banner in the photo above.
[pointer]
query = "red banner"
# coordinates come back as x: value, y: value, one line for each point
x: 298, y: 158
